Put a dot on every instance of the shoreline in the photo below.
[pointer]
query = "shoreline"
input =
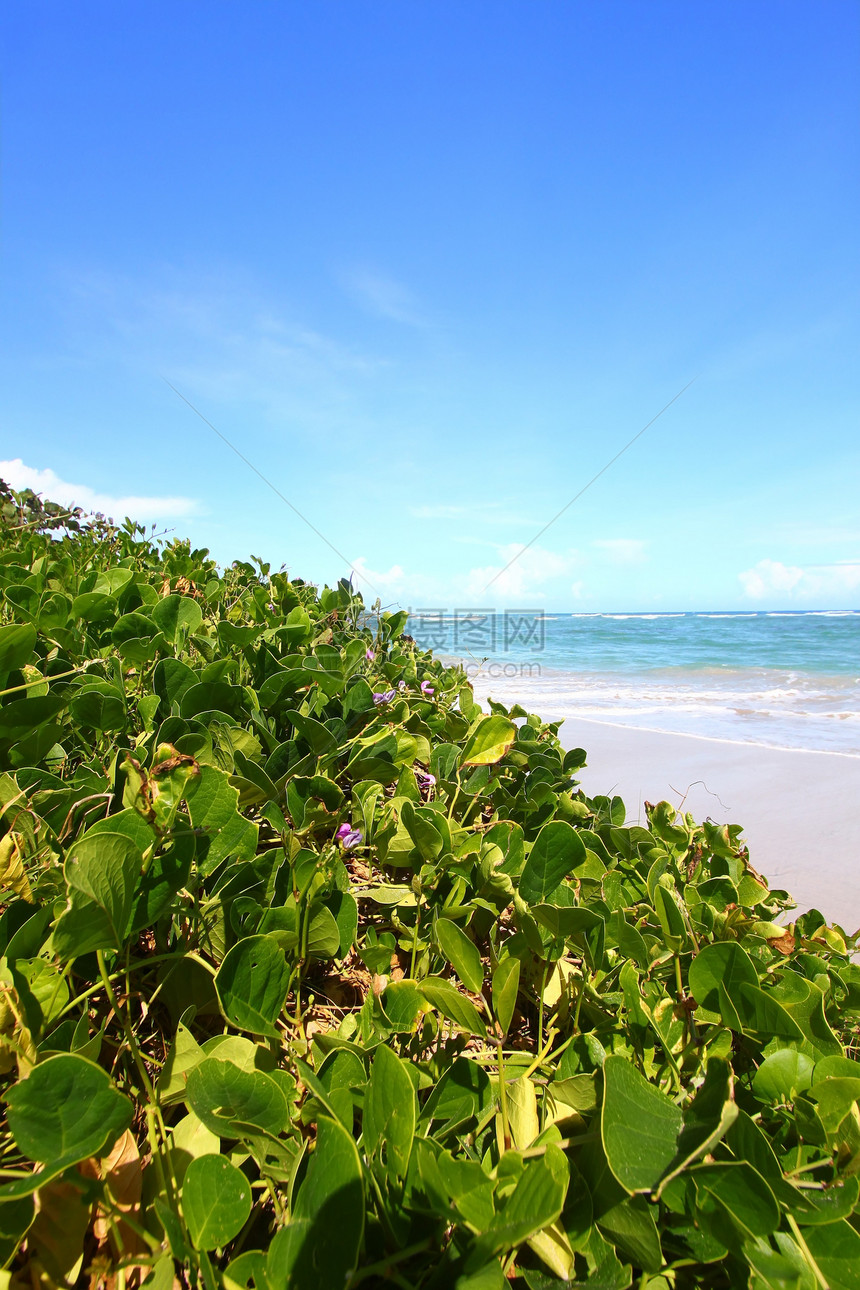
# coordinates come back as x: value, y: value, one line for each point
x: 711, y: 739
x: 798, y: 808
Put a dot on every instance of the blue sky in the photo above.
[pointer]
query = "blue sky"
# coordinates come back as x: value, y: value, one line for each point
x: 430, y: 266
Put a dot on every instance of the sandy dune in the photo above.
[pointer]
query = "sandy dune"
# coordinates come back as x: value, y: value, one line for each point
x: 800, y: 810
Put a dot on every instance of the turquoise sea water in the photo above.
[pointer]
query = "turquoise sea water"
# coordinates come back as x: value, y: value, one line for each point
x: 785, y: 679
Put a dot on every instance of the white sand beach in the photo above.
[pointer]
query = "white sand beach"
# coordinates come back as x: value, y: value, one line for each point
x: 800, y: 810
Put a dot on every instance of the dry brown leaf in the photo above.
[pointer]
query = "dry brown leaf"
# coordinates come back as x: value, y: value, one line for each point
x: 56, y: 1238
x: 122, y: 1170
x: 784, y: 944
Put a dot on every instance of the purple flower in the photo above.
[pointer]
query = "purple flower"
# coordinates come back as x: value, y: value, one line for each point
x: 401, y: 685
x: 348, y: 837
x: 369, y: 655
x: 384, y: 697
x: 427, y: 688
x: 426, y: 778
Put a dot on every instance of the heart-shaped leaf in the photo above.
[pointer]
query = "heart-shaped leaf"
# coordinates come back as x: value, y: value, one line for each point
x: 233, y: 1102
x: 102, y: 873
x: 252, y: 983
x: 489, y: 743
x: 556, y: 851
x: 639, y: 1126
x: 67, y: 1110
x: 216, y: 1201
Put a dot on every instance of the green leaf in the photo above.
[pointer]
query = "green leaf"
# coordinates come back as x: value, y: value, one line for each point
x: 760, y: 1013
x: 183, y: 1055
x: 461, y: 953
x: 422, y: 828
x: 639, y: 1126
x: 489, y: 743
x: 94, y: 607
x: 213, y: 696
x: 171, y: 679
x: 670, y: 916
x: 835, y: 1097
x: 317, y: 736
x: 252, y: 983
x: 344, y: 909
x: 708, y: 1118
x: 741, y: 1192
x: 131, y: 628
x: 67, y: 1110
x: 506, y: 984
x: 556, y: 851
x: 804, y: 1001
x: 16, y: 646
x: 320, y: 1245
x: 216, y: 1201
x: 782, y: 1075
x: 232, y: 1102
x: 836, y: 1250
x: 323, y: 933
x: 212, y: 805
x: 448, y: 1000
x: 98, y: 708
x: 724, y: 963
x: 177, y: 617
x: 630, y: 1227
x: 402, y: 1002
x: 390, y: 1112
x: 102, y: 873
x: 534, y: 1204
x: 814, y: 1208
x: 24, y: 715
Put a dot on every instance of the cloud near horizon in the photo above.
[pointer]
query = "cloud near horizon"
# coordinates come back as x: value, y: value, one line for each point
x: 769, y: 578
x: 54, y: 489
x: 523, y: 583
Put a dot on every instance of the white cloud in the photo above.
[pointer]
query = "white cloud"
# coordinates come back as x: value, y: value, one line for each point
x: 383, y: 296
x: 622, y: 550
x: 523, y: 579
x: 220, y: 337
x: 397, y: 585
x: 53, y: 489
x: 821, y: 584
x: 524, y: 583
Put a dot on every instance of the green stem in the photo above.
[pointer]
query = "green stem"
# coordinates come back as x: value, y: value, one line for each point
x: 540, y: 1006
x: 125, y: 1024
x: 579, y: 997
x: 45, y: 680
x: 384, y: 1264
x: 454, y: 798
x: 415, y: 942
x: 531, y: 1153
x: 503, y: 1101
x: 158, y: 1141
x: 807, y: 1254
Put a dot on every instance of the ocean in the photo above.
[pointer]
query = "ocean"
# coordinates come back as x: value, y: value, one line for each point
x: 784, y: 680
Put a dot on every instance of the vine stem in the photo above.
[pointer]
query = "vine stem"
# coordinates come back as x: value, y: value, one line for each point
x: 807, y: 1253
x: 415, y: 942
x: 384, y: 1264
x: 158, y: 1140
x: 503, y: 1100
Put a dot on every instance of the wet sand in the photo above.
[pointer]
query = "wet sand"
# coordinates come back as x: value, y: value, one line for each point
x: 800, y: 810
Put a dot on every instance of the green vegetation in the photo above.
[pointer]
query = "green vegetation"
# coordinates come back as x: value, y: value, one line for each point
x: 316, y: 975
